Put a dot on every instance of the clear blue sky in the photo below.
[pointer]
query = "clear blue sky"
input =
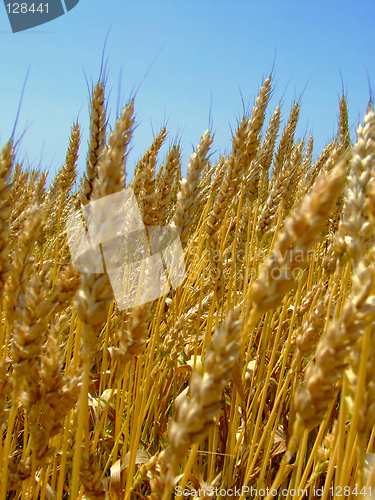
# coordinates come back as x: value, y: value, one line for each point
x: 211, y: 52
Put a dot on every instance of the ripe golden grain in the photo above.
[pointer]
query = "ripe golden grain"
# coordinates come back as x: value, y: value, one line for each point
x: 257, y: 371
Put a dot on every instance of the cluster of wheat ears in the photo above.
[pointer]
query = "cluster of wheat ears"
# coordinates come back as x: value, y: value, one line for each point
x: 257, y: 371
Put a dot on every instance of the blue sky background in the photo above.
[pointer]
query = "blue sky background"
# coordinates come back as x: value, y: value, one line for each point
x: 211, y: 51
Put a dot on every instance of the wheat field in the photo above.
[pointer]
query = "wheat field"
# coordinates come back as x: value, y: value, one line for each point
x: 252, y: 379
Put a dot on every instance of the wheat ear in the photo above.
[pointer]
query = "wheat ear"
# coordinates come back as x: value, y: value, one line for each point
x: 355, y: 233
x: 69, y: 170
x: 286, y: 142
x: 188, y: 193
x: 6, y: 163
x: 148, y: 193
x: 111, y: 168
x: 96, y: 141
x: 165, y: 184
